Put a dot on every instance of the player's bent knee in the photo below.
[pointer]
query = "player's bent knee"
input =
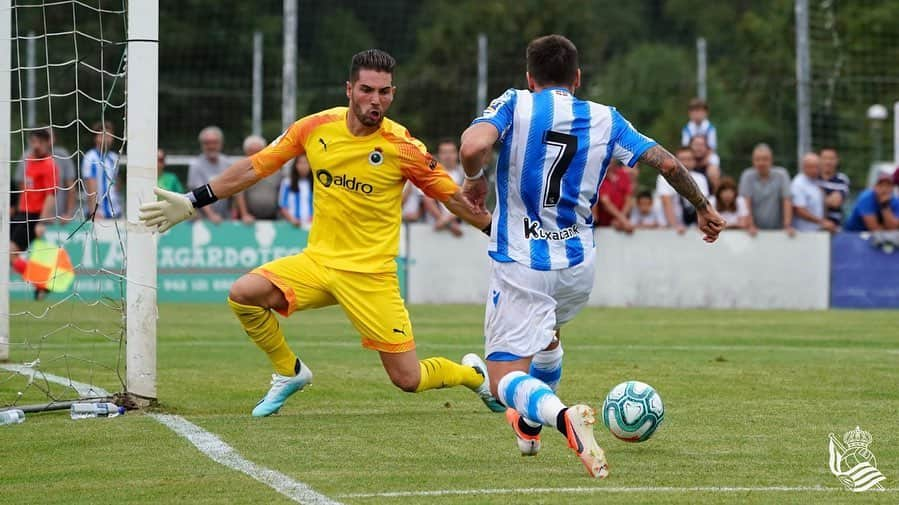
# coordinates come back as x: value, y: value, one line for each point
x: 406, y: 382
x: 252, y: 289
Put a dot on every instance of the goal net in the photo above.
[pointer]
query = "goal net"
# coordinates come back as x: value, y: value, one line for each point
x: 67, y: 318
x: 854, y: 47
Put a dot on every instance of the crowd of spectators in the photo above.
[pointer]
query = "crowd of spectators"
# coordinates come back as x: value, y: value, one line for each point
x: 766, y: 197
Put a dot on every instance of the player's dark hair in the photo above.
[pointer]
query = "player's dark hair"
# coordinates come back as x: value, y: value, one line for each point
x: 645, y: 193
x: 371, y: 59
x: 552, y: 59
x: 42, y: 134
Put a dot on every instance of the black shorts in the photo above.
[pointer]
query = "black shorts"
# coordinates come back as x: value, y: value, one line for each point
x: 21, y: 229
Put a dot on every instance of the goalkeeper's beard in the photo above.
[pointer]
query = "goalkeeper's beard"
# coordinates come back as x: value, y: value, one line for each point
x: 366, y: 118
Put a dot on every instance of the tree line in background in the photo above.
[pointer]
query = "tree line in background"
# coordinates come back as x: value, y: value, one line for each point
x: 639, y: 57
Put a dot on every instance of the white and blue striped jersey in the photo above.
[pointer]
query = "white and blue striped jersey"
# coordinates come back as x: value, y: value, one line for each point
x: 705, y: 128
x: 555, y: 149
x: 297, y: 203
x: 104, y: 168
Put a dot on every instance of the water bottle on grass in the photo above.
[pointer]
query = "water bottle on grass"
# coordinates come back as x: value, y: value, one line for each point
x: 12, y: 416
x: 84, y: 410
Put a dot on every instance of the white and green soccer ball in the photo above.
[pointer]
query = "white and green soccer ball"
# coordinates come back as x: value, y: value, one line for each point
x: 633, y: 411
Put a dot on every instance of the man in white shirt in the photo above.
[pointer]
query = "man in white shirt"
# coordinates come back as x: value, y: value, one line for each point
x: 808, y: 197
x: 672, y: 206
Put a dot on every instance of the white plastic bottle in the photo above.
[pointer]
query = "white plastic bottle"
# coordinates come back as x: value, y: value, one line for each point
x: 84, y: 410
x: 12, y: 416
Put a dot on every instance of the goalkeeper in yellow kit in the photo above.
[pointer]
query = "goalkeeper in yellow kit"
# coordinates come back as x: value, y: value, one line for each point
x: 360, y: 161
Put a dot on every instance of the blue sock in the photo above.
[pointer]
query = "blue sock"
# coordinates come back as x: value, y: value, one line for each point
x: 547, y: 366
x: 531, y: 397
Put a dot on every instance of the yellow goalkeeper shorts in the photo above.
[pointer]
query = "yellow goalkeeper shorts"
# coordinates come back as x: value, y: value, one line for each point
x: 371, y: 300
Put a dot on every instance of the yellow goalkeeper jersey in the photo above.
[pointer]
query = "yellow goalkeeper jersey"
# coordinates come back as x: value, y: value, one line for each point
x: 357, y: 186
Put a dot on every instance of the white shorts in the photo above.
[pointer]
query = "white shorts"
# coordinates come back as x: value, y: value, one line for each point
x: 525, y: 307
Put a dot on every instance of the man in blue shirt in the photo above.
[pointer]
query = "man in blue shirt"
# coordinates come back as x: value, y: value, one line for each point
x: 877, y: 208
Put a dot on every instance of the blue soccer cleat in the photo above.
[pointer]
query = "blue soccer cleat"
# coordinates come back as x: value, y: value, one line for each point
x: 282, y: 387
x: 483, y: 391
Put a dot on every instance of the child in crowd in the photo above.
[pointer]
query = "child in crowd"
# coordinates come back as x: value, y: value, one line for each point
x: 295, y: 194
x: 730, y: 205
x: 646, y: 214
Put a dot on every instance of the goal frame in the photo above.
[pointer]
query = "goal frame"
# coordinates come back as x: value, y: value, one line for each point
x: 141, y: 147
x: 142, y: 142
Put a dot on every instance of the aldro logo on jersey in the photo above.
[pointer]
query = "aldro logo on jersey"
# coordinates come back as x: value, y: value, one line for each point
x: 326, y: 179
x: 533, y: 231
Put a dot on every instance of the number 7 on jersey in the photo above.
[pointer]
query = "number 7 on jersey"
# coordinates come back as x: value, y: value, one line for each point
x: 566, y: 148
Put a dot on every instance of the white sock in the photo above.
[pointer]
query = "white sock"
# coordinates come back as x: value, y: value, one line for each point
x: 547, y: 366
x: 531, y: 397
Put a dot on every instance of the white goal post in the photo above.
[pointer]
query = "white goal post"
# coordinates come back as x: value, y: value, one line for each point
x: 140, y: 144
x: 140, y: 262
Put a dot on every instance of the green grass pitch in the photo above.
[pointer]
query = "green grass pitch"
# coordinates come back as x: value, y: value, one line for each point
x: 750, y: 399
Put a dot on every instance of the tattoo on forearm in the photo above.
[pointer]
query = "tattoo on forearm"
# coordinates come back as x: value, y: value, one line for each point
x: 675, y: 173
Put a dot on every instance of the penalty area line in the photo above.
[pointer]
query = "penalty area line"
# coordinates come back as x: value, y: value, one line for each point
x: 601, y: 490
x: 220, y: 452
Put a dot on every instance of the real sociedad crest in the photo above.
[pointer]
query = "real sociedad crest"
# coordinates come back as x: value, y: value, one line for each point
x: 853, y: 463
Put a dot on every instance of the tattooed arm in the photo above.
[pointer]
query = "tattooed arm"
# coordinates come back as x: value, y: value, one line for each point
x: 676, y: 174
x: 679, y: 178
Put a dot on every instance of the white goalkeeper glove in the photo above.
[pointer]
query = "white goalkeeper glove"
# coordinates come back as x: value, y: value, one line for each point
x: 167, y: 212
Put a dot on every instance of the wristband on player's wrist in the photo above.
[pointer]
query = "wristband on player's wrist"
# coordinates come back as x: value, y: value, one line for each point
x: 885, y: 204
x: 475, y: 176
x: 202, y: 196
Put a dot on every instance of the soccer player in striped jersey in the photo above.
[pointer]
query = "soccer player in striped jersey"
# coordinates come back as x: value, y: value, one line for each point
x: 554, y: 151
x: 360, y: 161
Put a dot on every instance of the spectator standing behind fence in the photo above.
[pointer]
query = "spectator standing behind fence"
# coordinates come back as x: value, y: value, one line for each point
x: 834, y: 183
x: 699, y: 124
x: 730, y: 205
x: 766, y: 189
x: 707, y: 162
x: 295, y: 194
x: 678, y: 212
x: 808, y: 197
x: 448, y: 156
x: 100, y: 170
x: 67, y: 196
x: 209, y: 164
x: 259, y: 201
x: 615, y: 199
x: 646, y: 213
x: 877, y: 208
x: 167, y: 180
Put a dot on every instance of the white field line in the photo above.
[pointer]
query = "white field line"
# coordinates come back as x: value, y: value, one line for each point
x: 600, y: 490
x: 220, y: 452
x: 84, y: 390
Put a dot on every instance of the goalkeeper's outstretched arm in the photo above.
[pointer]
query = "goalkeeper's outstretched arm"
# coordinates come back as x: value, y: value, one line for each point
x: 172, y: 208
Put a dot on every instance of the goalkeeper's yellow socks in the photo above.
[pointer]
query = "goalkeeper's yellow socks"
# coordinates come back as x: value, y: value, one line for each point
x: 443, y: 373
x: 262, y: 326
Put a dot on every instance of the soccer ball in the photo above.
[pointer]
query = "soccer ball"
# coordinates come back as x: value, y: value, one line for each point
x: 633, y: 411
